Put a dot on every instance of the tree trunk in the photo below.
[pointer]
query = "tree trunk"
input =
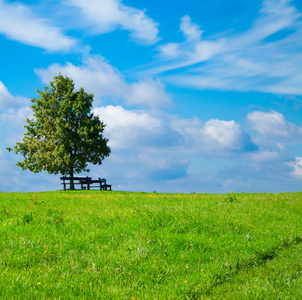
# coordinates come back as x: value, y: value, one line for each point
x: 71, y: 180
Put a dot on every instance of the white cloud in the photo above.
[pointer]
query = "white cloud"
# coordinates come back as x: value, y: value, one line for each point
x: 170, y: 50
x: 274, y: 16
x: 13, y: 111
x: 19, y: 23
x: 16, y: 180
x: 99, y: 77
x: 14, y: 118
x: 142, y: 129
x: 265, y: 155
x: 192, y: 51
x: 275, y: 133
x: 106, y: 15
x: 8, y: 101
x: 214, y: 137
x: 95, y: 75
x: 273, y: 124
x: 154, y: 148
x: 297, y: 167
x: 12, y: 125
x: 226, y: 136
x: 191, y: 31
x: 162, y: 151
x: 265, y: 58
x: 149, y: 92
x: 137, y: 129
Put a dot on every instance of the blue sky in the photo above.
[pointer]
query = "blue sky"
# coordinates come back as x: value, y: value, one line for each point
x: 198, y: 96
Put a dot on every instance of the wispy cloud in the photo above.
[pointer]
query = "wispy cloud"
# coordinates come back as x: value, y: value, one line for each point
x: 265, y: 58
x: 19, y: 23
x: 190, y: 52
x: 107, y: 15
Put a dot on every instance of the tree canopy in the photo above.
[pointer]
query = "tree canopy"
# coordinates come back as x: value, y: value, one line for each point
x: 64, y: 135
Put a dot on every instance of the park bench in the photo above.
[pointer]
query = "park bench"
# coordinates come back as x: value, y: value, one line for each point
x: 83, y: 181
x: 86, y: 182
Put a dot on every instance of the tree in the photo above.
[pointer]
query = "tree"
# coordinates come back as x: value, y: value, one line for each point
x: 64, y: 136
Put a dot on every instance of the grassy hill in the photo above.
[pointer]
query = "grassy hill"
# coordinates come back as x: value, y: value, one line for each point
x: 118, y: 245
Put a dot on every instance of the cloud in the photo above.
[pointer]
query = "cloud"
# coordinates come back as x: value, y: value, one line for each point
x: 274, y: 16
x: 273, y: 134
x: 192, y: 51
x: 146, y: 150
x: 19, y: 23
x: 14, y: 118
x: 8, y: 101
x: 269, y: 176
x: 215, y: 137
x: 137, y: 129
x: 12, y: 125
x: 266, y: 155
x: 274, y: 124
x: 266, y: 58
x: 16, y: 180
x: 148, y: 92
x: 144, y: 129
x: 137, y: 169
x: 226, y: 136
x: 106, y: 15
x: 13, y: 111
x: 154, y: 148
x: 105, y: 81
x: 163, y: 152
x: 297, y: 167
x: 191, y: 31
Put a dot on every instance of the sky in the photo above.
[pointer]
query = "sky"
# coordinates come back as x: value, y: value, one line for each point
x: 197, y: 96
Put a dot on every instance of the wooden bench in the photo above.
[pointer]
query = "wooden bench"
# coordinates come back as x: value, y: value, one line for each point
x: 76, y: 181
x: 86, y: 182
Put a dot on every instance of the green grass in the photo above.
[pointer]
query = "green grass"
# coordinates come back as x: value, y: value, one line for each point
x: 118, y: 245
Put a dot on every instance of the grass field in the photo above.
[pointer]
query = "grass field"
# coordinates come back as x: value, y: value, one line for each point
x: 120, y: 245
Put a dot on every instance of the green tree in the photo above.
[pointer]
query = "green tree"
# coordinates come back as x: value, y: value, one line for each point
x: 64, y: 135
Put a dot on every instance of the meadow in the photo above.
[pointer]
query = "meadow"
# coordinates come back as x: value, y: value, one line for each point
x: 122, y: 245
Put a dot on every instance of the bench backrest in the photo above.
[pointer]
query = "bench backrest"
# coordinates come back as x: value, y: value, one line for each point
x: 75, y: 178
